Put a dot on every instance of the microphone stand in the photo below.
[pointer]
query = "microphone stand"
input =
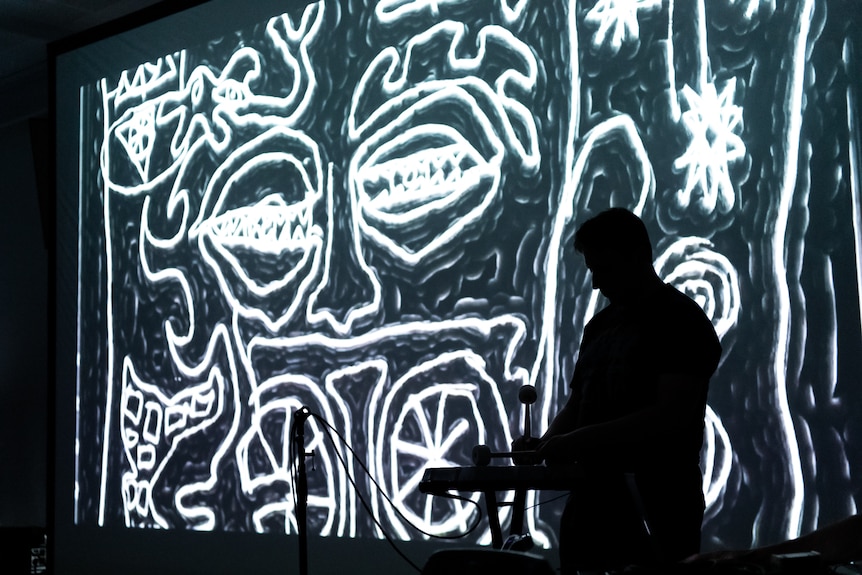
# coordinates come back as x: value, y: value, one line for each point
x: 301, y: 415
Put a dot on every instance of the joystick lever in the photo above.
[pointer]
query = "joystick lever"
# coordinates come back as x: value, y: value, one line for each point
x: 527, y: 396
x: 524, y: 448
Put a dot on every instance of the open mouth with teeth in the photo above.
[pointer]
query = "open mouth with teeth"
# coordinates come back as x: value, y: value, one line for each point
x: 422, y: 181
x: 267, y: 238
x: 257, y: 223
x: 405, y: 185
x: 264, y: 241
x: 269, y: 227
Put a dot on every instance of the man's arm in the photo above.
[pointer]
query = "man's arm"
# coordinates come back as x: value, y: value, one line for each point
x: 565, y: 420
x: 679, y: 405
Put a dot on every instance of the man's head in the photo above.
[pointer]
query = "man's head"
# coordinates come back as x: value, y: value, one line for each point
x: 618, y: 252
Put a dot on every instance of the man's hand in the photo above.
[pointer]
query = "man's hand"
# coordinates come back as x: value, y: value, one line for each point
x: 559, y: 449
x: 526, y: 448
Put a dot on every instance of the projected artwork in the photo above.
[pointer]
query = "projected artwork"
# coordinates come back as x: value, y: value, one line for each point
x: 367, y: 209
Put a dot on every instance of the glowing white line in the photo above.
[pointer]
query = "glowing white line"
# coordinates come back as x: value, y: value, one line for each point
x: 619, y: 126
x: 397, y: 87
x: 511, y: 14
x: 702, y: 51
x: 280, y: 464
x: 692, y: 259
x: 481, y: 327
x: 220, y: 333
x: 616, y: 21
x: 391, y: 11
x: 311, y: 257
x: 131, y: 380
x: 346, y: 376
x: 317, y: 316
x: 853, y: 158
x: 832, y: 337
x: 148, y: 78
x: 382, y: 369
x: 671, y: 70
x: 395, y: 11
x: 779, y: 365
x: 79, y: 323
x: 146, y: 238
x: 109, y: 381
x: 308, y: 32
x: 546, y: 350
x: 443, y: 390
x: 711, y: 121
x: 713, y: 486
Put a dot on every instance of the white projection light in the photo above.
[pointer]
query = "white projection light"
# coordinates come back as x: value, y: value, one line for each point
x: 366, y: 209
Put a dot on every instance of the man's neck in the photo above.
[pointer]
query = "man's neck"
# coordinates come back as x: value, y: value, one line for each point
x: 643, y: 288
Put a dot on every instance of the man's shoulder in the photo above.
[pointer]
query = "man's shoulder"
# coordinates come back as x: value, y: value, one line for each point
x: 685, y: 316
x: 679, y: 304
x: 604, y: 316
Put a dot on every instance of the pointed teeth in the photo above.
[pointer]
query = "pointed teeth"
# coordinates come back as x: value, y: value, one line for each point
x: 269, y: 226
x: 420, y: 177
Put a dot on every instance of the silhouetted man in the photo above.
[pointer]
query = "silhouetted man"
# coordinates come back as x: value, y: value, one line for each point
x: 635, y: 415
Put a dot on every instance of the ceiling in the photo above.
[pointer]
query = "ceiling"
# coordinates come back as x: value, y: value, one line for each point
x: 26, y: 28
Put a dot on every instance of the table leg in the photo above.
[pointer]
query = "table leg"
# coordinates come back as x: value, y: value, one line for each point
x: 494, y: 519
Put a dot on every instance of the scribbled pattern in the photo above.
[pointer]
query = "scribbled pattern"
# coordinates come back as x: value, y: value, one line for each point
x: 367, y: 209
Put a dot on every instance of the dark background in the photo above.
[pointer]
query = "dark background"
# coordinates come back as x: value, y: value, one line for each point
x: 26, y: 225
x: 23, y: 335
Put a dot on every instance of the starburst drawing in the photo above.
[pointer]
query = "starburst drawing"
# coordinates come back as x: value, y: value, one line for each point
x: 616, y: 22
x: 712, y: 122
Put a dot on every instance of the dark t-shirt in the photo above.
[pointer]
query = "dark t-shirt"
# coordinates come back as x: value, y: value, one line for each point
x: 625, y: 351
x: 623, y: 354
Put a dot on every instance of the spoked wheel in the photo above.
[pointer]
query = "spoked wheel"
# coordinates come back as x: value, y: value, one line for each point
x: 267, y: 470
x: 433, y: 417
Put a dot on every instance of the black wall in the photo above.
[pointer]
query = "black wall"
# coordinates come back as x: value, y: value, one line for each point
x: 23, y: 335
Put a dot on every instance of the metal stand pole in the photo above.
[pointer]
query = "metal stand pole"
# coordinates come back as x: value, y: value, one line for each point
x: 301, y: 415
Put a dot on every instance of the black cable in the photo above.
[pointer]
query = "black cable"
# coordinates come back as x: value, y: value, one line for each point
x: 291, y: 454
x: 365, y: 504
x: 293, y: 450
x: 546, y: 501
x: 383, y: 493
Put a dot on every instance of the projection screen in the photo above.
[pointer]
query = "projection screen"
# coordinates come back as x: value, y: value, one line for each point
x: 367, y: 208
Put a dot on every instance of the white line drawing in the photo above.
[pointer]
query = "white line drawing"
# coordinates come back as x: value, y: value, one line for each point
x: 616, y: 22
x: 378, y: 223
